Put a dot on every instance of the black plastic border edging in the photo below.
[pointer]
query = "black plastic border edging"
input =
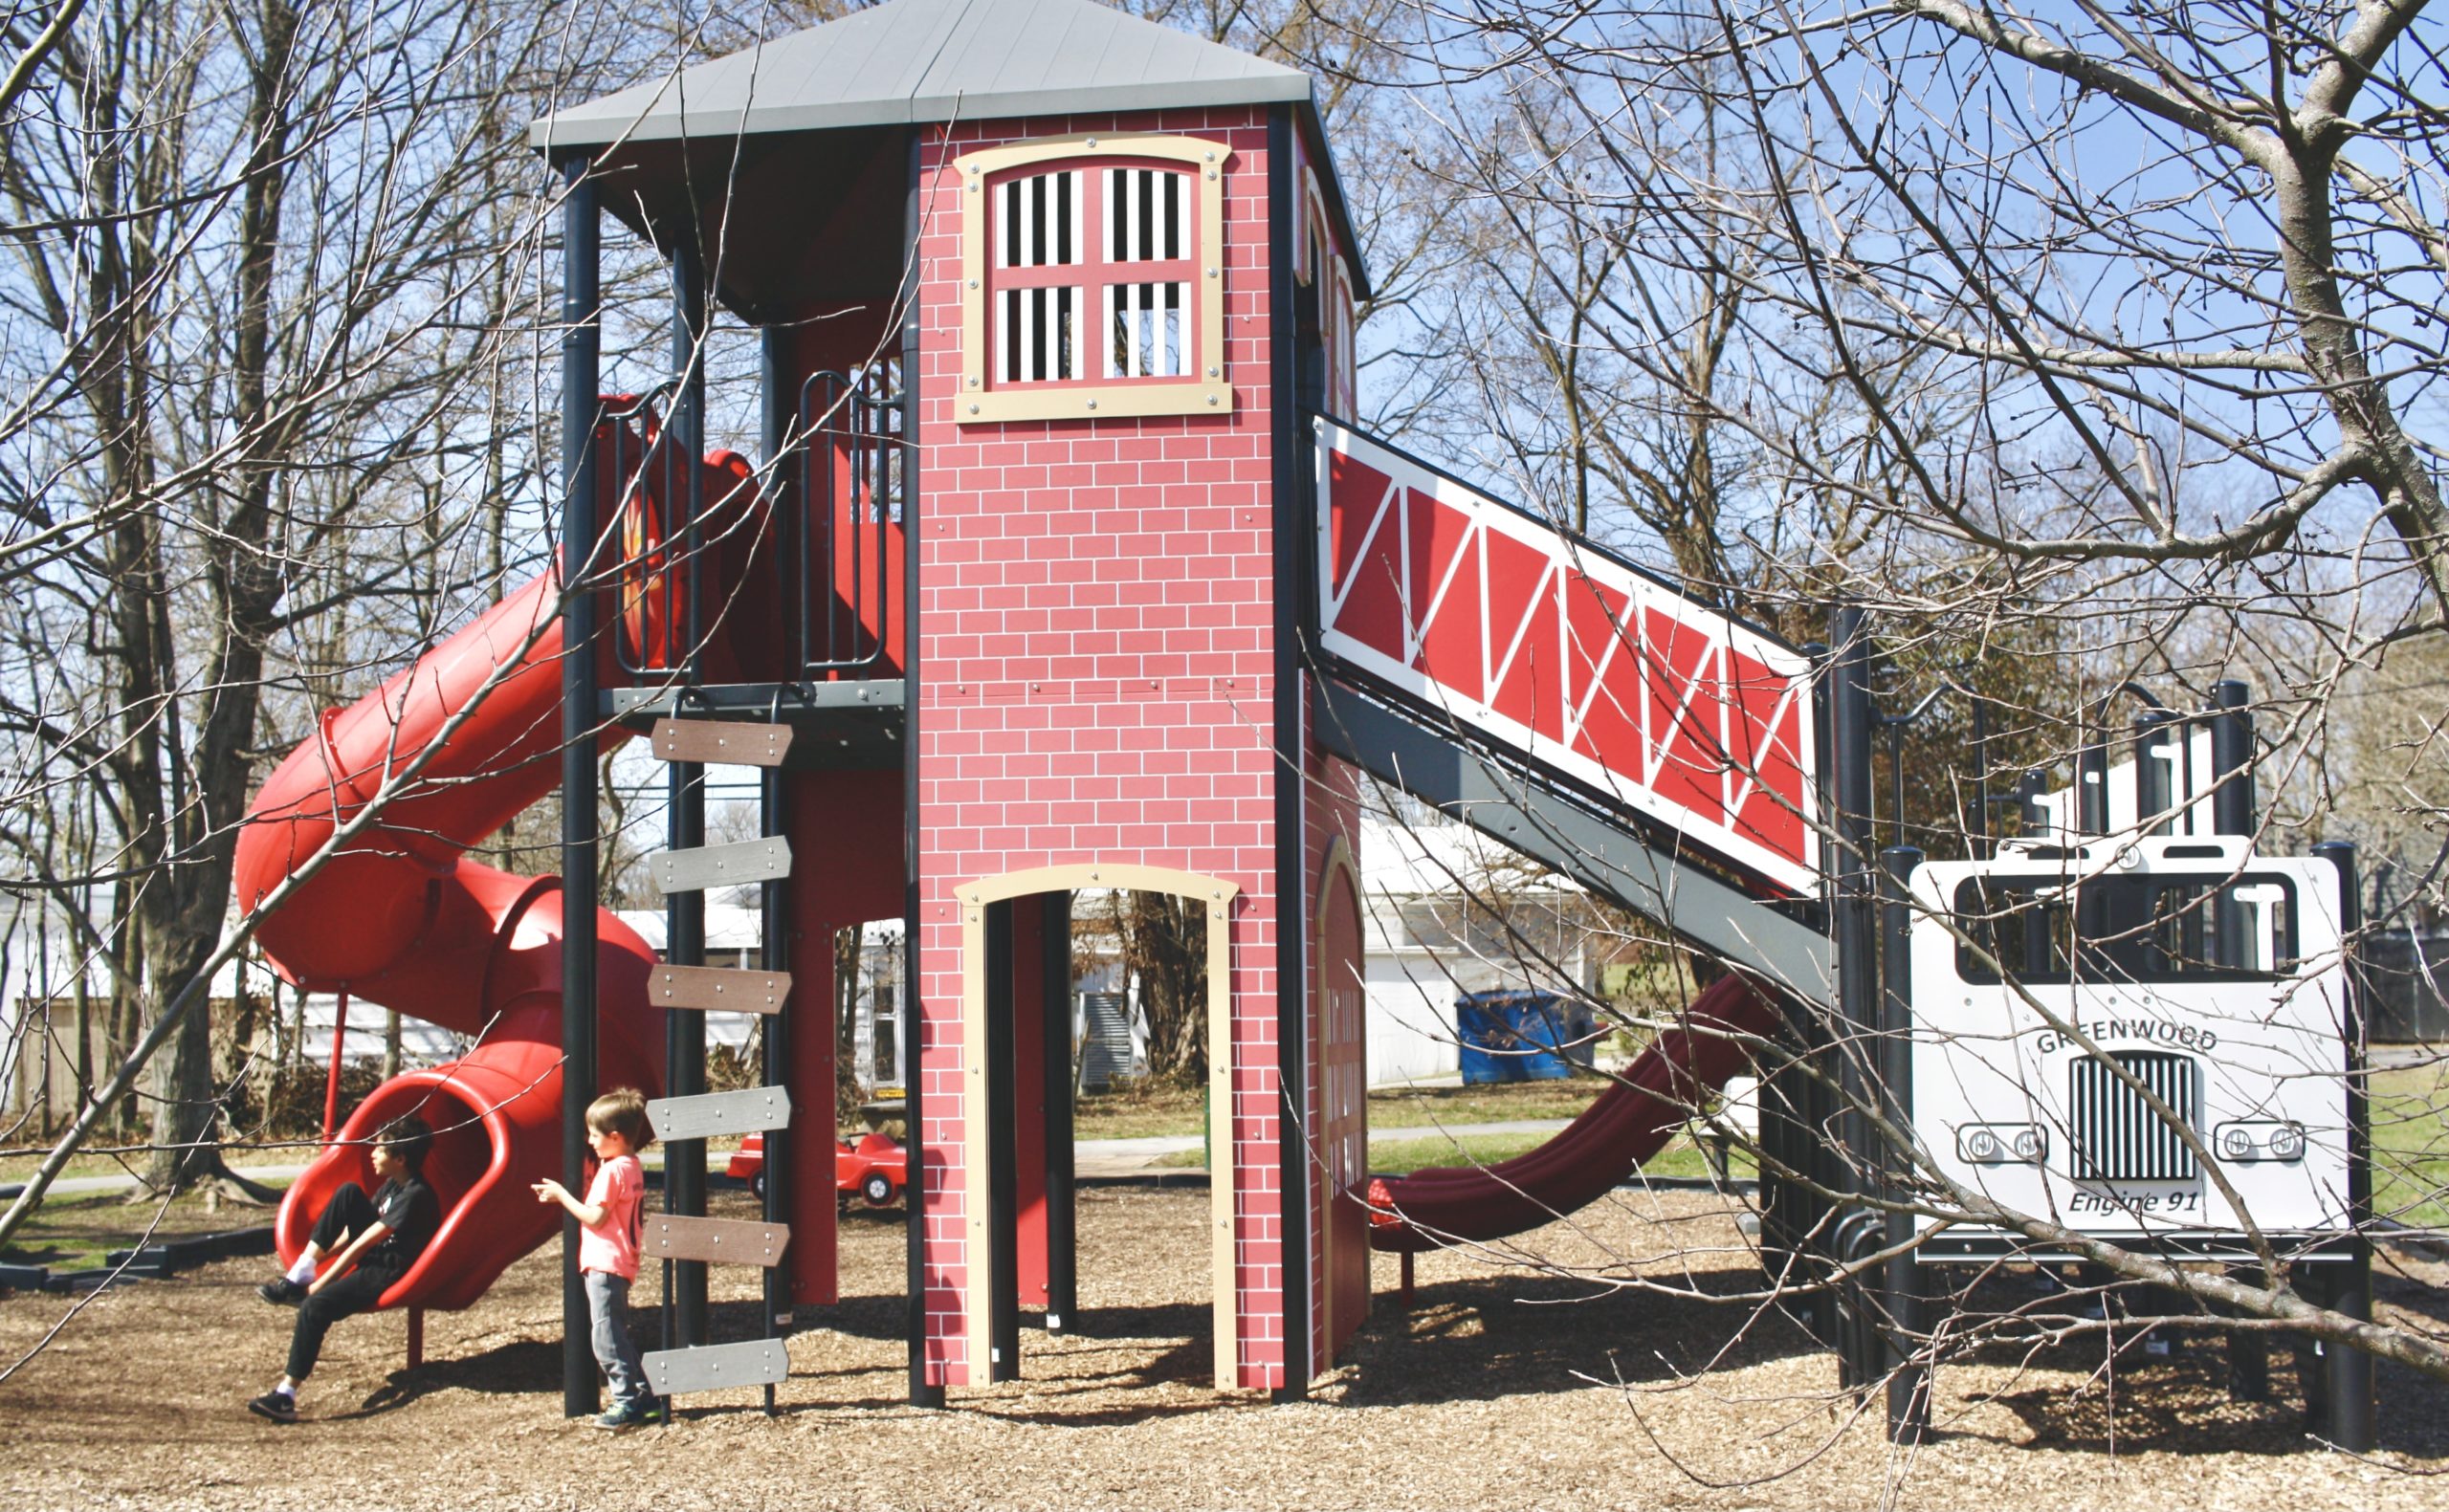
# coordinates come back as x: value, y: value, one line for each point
x: 1188, y: 1178
x: 152, y: 1262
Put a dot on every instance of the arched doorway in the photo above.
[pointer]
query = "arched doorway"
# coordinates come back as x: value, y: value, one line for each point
x: 1012, y: 1016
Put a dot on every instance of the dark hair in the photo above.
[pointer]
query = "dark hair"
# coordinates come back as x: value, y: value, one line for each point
x: 408, y: 1137
x: 622, y: 1111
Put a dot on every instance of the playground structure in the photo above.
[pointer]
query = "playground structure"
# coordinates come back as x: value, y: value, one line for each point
x: 1055, y: 572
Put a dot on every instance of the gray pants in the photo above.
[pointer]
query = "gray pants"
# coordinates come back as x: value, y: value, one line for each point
x: 616, y: 1350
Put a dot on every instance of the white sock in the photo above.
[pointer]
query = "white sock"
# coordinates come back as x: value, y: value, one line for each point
x: 304, y: 1271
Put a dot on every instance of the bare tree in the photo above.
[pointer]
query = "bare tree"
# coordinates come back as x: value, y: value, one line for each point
x: 255, y: 337
x: 2084, y: 350
x: 1163, y: 942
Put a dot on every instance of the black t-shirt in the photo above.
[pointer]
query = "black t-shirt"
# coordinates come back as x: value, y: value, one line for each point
x: 408, y: 1209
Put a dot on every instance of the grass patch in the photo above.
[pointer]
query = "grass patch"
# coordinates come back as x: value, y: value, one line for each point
x: 16, y: 1168
x: 1492, y: 1103
x: 1142, y: 1109
x: 2411, y: 1145
x: 1401, y: 1157
x: 76, y: 1231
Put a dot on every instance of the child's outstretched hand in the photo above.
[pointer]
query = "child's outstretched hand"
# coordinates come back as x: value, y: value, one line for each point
x: 549, y: 1190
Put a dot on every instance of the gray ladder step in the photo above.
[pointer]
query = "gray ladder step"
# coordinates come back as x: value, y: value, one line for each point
x: 739, y: 742
x: 703, y: 866
x: 715, y: 1113
x: 711, y: 1366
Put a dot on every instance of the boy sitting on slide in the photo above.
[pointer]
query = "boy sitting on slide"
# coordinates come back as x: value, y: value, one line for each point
x: 372, y: 1242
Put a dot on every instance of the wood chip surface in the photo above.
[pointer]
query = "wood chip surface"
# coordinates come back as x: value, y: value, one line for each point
x: 1503, y: 1388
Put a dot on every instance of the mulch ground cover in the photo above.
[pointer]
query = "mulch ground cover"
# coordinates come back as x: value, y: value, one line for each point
x: 1501, y: 1388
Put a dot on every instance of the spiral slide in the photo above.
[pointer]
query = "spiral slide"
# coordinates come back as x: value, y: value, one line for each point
x: 403, y: 919
x: 1625, y: 1125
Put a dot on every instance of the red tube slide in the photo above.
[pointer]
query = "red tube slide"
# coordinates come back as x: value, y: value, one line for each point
x: 402, y: 918
x: 1625, y: 1125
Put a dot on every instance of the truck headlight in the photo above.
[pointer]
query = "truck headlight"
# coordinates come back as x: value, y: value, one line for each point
x: 2260, y: 1140
x: 2002, y: 1144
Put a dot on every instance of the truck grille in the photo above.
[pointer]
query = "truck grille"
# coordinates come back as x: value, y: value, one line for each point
x: 2115, y: 1134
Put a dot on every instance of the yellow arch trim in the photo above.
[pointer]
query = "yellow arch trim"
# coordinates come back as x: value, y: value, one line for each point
x: 1218, y: 894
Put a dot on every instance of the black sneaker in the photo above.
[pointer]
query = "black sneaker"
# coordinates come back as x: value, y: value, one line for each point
x: 281, y: 1292
x: 278, y: 1405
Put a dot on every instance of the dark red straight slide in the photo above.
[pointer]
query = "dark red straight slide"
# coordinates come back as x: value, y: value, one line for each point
x: 1625, y: 1125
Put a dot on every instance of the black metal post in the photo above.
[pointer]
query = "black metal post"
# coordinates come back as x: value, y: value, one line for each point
x: 1293, y: 608
x: 1895, y: 780
x: 1909, y: 1376
x: 684, y: 1160
x: 1003, y: 1162
x: 774, y: 955
x: 582, y: 353
x: 923, y: 1393
x: 1062, y: 1235
x: 780, y: 407
x: 1855, y: 929
x: 2231, y: 760
x: 2159, y: 780
x: 2352, y: 1422
x: 1793, y: 1132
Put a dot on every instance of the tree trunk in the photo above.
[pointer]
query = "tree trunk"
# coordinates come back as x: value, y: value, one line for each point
x: 194, y: 898
x: 1164, y: 940
x: 848, y: 947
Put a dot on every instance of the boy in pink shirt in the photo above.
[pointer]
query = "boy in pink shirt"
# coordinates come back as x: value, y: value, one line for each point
x: 608, y: 1247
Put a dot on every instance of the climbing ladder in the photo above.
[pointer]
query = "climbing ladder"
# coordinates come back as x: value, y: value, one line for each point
x: 685, y: 987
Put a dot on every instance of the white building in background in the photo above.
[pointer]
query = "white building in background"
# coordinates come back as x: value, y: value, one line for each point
x: 1449, y: 912
x: 38, y: 1057
x: 1428, y: 942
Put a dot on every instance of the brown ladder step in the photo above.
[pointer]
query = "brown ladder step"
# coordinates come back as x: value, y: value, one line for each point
x: 723, y: 989
x: 739, y: 741
x: 718, y: 1241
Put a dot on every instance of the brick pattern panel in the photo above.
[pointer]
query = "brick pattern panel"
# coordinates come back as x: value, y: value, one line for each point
x: 1094, y: 619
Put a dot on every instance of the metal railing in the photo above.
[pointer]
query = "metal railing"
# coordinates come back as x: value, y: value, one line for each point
x: 852, y: 476
x: 812, y: 553
x: 646, y: 521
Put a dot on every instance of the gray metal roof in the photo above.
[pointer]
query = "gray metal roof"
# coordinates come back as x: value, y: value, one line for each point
x: 928, y: 61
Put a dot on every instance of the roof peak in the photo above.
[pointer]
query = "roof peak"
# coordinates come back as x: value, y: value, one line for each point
x: 910, y: 61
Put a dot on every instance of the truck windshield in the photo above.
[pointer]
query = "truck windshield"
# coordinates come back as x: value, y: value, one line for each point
x: 2153, y: 929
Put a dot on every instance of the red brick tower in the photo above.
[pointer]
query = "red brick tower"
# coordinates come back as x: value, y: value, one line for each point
x: 1108, y: 268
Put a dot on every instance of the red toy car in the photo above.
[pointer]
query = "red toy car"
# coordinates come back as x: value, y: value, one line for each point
x: 875, y: 1168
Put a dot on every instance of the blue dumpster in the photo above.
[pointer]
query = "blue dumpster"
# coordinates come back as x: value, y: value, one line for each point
x: 1522, y: 1035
